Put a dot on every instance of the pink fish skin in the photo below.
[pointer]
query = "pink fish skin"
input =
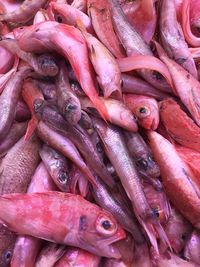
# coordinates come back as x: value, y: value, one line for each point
x: 77, y: 257
x: 191, y: 251
x: 145, y: 109
x: 186, y: 86
x: 176, y: 174
x: 24, y: 12
x: 51, y: 218
x: 68, y: 41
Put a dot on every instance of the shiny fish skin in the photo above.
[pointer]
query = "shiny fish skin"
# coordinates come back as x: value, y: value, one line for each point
x: 53, y: 220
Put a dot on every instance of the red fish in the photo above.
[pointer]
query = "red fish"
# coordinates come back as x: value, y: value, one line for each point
x: 179, y: 125
x: 49, y: 216
x: 145, y: 109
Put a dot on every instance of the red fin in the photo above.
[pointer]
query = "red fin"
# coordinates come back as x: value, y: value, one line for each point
x: 31, y: 128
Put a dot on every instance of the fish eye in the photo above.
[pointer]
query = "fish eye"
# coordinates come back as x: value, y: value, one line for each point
x: 63, y: 177
x: 105, y: 225
x: 7, y: 255
x: 58, y: 18
x: 142, y: 112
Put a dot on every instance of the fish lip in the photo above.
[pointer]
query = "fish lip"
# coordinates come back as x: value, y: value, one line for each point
x: 107, y: 245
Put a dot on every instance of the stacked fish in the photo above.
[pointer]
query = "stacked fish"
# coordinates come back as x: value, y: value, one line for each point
x: 99, y: 133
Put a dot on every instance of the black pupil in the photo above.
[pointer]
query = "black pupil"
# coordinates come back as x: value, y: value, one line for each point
x: 156, y: 212
x: 63, y: 177
x: 7, y: 256
x: 142, y: 110
x: 70, y: 108
x: 59, y: 19
x: 184, y: 236
x: 106, y: 225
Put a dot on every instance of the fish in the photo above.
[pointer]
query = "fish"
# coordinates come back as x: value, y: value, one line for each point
x: 27, y: 248
x: 186, y: 86
x: 81, y: 140
x: 135, y: 85
x: 64, y: 146
x: 176, y: 174
x: 34, y: 99
x: 88, y: 227
x: 78, y: 257
x: 141, y: 154
x: 172, y: 116
x: 134, y: 44
x: 144, y: 108
x: 9, y: 99
x: 68, y: 103
x: 24, y: 12
x: 69, y: 42
x: 49, y: 255
x: 101, y: 19
x: 104, y: 199
x: 114, y: 145
x: 68, y: 14
x: 44, y: 64
x: 173, y: 39
x: 191, y: 250
x: 105, y: 65
x: 57, y: 166
x: 118, y: 112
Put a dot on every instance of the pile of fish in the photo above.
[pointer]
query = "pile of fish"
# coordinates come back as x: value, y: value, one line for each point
x: 100, y: 133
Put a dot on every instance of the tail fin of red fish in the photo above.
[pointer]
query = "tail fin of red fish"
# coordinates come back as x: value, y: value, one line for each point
x: 31, y: 128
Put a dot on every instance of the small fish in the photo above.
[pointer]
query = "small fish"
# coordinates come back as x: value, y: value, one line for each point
x: 144, y: 108
x: 51, y: 218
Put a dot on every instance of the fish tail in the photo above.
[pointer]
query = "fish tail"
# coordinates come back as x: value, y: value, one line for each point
x: 100, y: 106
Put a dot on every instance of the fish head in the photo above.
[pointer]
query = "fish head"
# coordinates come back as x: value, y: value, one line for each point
x: 98, y: 232
x: 58, y: 12
x: 147, y: 115
x: 36, y: 38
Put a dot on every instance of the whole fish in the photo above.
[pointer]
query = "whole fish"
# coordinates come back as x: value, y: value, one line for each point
x: 114, y: 145
x: 68, y: 103
x: 69, y: 42
x: 102, y: 23
x: 105, y: 65
x: 64, y: 146
x: 141, y: 154
x: 105, y: 199
x: 191, y: 251
x: 49, y: 255
x: 174, y: 119
x: 178, y: 230
x: 118, y: 112
x: 186, y: 86
x: 27, y: 247
x: 144, y: 108
x: 81, y: 140
x: 44, y: 64
x: 173, y: 39
x: 57, y: 166
x: 24, y: 12
x: 17, y: 130
x: 135, y: 85
x: 176, y: 174
x: 134, y: 44
x: 8, y: 101
x: 77, y: 257
x: 51, y: 218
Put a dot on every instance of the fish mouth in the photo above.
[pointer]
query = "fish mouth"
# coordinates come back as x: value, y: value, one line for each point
x: 107, y: 247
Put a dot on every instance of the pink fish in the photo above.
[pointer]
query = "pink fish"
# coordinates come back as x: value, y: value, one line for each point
x: 49, y: 216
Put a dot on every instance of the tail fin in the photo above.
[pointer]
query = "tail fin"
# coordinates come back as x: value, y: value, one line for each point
x: 31, y: 128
